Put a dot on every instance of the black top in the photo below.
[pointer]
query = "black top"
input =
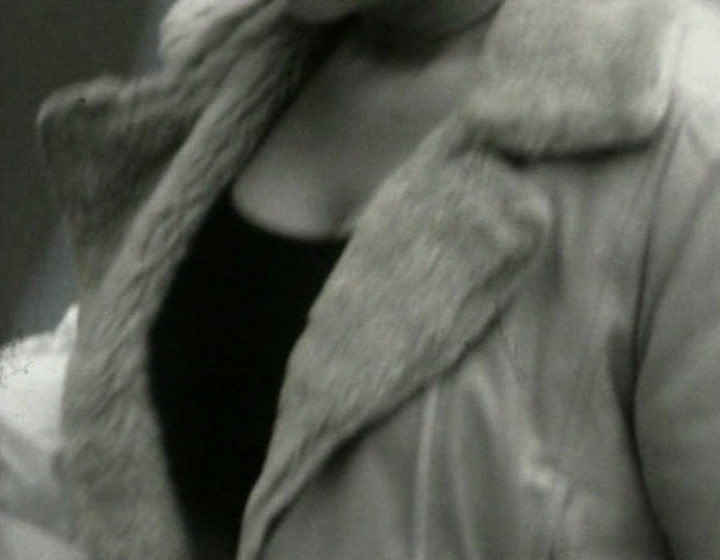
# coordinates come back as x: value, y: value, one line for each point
x: 218, y: 351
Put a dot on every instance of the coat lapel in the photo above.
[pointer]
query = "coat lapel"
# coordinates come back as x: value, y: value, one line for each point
x: 438, y: 253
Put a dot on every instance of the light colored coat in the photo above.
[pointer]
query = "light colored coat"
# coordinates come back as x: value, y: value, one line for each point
x: 518, y: 354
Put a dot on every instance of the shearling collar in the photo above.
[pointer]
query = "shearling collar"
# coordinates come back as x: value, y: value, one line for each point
x: 139, y: 163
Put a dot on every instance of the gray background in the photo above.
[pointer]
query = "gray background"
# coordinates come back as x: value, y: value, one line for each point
x: 45, y: 44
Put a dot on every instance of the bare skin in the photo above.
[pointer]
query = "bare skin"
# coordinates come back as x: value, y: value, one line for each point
x: 391, y: 81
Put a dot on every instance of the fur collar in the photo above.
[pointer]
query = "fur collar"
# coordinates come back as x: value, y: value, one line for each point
x: 139, y: 163
x: 562, y: 76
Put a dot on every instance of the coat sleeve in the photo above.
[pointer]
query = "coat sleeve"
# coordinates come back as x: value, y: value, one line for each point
x: 677, y: 399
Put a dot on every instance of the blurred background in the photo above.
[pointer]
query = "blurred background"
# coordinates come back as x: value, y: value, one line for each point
x: 45, y: 44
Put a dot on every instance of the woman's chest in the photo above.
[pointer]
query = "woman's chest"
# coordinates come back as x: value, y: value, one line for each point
x: 348, y: 129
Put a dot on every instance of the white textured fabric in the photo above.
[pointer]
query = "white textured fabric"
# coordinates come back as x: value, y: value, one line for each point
x: 23, y: 541
x: 33, y: 516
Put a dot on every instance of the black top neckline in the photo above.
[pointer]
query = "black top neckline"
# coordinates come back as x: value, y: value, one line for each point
x: 218, y: 352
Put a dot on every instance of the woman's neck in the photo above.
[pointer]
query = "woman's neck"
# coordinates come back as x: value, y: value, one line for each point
x: 396, y: 26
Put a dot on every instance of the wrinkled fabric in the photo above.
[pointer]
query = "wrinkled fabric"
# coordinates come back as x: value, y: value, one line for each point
x: 34, y: 513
